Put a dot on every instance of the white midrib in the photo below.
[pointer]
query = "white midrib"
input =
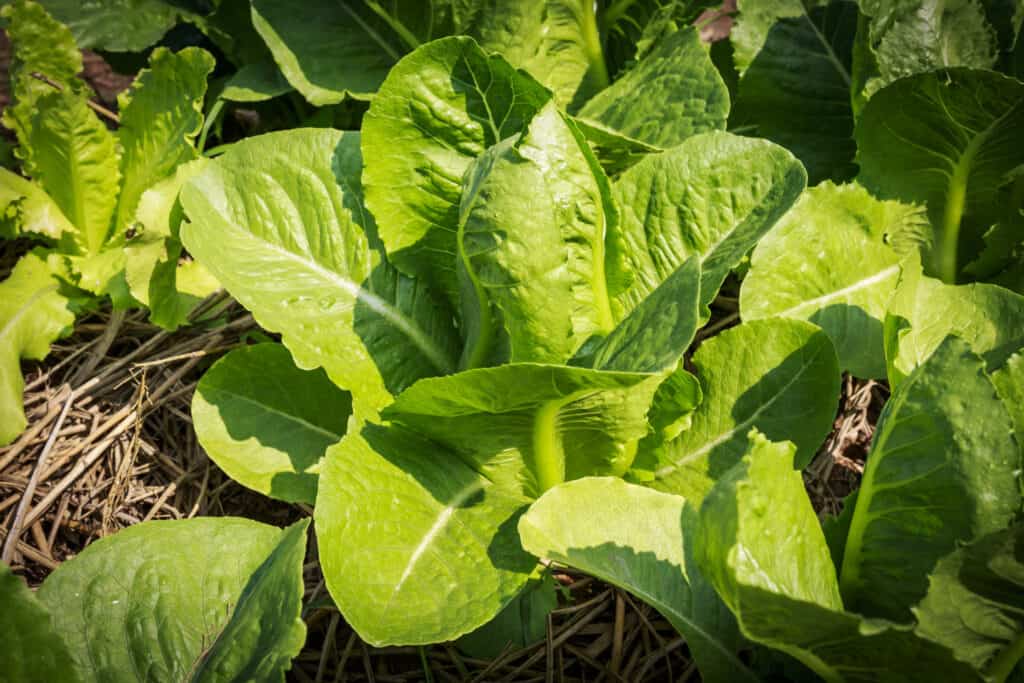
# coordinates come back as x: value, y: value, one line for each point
x: 288, y: 416
x: 440, y: 522
x: 378, y: 305
x: 725, y: 436
x: 849, y: 289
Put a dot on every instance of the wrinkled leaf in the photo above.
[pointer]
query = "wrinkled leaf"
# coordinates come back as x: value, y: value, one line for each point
x: 942, y: 468
x: 777, y: 375
x: 713, y: 196
x: 205, y: 599
x: 829, y: 261
x: 439, y: 109
x: 267, y: 423
x: 639, y: 540
x: 116, y: 25
x: 1009, y: 383
x: 27, y: 209
x: 673, y: 93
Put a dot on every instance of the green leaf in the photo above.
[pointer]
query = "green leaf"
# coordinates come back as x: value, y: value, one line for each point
x: 522, y: 622
x: 160, y: 117
x: 279, y: 221
x: 655, y: 334
x: 754, y: 23
x: 534, y: 282
x: 416, y: 546
x: 829, y: 261
x: 779, y: 376
x: 761, y: 546
x: 975, y: 603
x: 40, y: 45
x: 205, y: 599
x: 267, y: 423
x: 30, y: 210
x: 527, y: 426
x: 796, y: 91
x: 74, y: 157
x: 916, y: 36
x: 438, y: 110
x: 257, y: 82
x: 116, y: 25
x: 943, y: 468
x: 713, y: 196
x: 639, y: 540
x: 1009, y: 383
x: 33, y: 652
x: 946, y: 140
x: 673, y: 93
x: 616, y: 152
x: 33, y: 314
x: 152, y: 270
x: 923, y: 312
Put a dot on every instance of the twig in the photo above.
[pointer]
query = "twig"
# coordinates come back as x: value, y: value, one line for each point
x: 10, y: 543
x: 96, y: 107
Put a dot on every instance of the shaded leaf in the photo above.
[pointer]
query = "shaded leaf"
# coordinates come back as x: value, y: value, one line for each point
x: 33, y: 652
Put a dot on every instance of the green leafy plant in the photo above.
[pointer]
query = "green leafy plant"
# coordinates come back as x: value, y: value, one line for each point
x: 134, y: 605
x: 102, y: 203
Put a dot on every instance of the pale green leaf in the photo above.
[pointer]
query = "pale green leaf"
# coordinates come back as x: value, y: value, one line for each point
x: 639, y: 540
x: 40, y: 45
x: 279, y: 221
x: 160, y: 118
x: 267, y: 423
x: 946, y: 140
x: 416, y: 546
x: 975, y: 602
x: 674, y: 92
x: 33, y: 652
x: 923, y: 312
x: 943, y: 468
x: 779, y: 376
x: 796, y: 91
x: 534, y: 281
x: 256, y: 82
x: 713, y: 196
x: 33, y: 314
x: 528, y: 426
x: 116, y: 25
x: 438, y: 110
x: 205, y: 600
x: 74, y: 157
x: 152, y: 270
x: 829, y: 261
x: 30, y: 210
x: 762, y: 548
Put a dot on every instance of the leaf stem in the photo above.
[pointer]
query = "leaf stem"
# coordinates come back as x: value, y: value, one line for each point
x: 548, y: 454
x: 953, y: 213
x: 592, y: 44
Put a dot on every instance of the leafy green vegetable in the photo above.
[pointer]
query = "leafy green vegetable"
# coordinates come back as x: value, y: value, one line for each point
x: 134, y: 603
x: 779, y: 376
x: 266, y: 422
x: 117, y: 25
x: 975, y: 601
x: 33, y: 652
x: 1009, y: 383
x: 829, y: 261
x: 438, y: 109
x: 416, y: 546
x: 796, y: 90
x: 279, y: 220
x: 593, y: 524
x: 674, y: 92
x: 760, y: 545
x: 923, y: 312
x: 524, y: 621
x: 33, y: 314
x: 947, y: 140
x: 943, y: 468
x: 713, y: 196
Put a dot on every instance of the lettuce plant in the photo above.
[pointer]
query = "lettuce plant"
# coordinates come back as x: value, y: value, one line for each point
x: 506, y: 318
x: 200, y: 600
